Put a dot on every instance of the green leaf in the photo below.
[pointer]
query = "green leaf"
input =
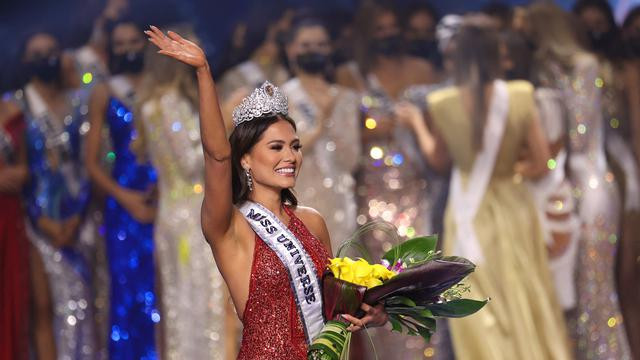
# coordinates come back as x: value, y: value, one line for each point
x: 456, y: 308
x: 427, y: 322
x: 396, y: 325
x: 330, y: 343
x: 400, y: 300
x: 412, y: 250
x: 426, y: 333
x: 424, y: 312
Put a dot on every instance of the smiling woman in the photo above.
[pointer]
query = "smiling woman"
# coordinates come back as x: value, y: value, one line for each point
x: 270, y: 251
x: 263, y: 166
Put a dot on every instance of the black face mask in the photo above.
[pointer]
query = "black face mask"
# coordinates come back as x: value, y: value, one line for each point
x: 312, y: 62
x: 426, y: 49
x: 632, y: 46
x: 422, y: 48
x: 600, y: 42
x: 389, y: 45
x: 48, y: 70
x: 129, y: 63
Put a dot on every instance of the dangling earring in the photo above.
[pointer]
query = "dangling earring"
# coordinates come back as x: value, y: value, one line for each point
x: 249, y: 179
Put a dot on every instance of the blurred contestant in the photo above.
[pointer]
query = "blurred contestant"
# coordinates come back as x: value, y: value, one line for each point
x: 57, y: 196
x: 194, y: 296
x: 129, y: 212
x: 327, y: 119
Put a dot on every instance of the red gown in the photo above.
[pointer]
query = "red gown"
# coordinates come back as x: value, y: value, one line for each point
x: 272, y: 326
x: 14, y: 265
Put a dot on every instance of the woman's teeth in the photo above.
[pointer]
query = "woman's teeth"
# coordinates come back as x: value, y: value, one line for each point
x: 286, y: 171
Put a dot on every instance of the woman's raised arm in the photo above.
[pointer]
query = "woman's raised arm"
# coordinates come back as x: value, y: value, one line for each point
x: 217, y: 208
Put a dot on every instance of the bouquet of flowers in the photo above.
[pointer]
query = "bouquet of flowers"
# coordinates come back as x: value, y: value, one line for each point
x: 414, y: 282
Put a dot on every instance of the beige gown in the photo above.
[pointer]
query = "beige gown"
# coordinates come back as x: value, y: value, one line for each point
x: 523, y: 320
x: 194, y: 295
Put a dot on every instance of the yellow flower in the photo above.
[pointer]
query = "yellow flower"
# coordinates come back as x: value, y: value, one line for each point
x: 372, y: 282
x: 382, y: 272
x: 362, y: 269
x: 359, y: 272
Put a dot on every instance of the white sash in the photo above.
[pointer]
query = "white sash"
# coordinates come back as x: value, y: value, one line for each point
x: 123, y: 89
x: 56, y: 136
x: 466, y: 202
x: 300, y: 267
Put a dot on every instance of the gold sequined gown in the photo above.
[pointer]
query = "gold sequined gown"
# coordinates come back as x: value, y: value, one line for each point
x: 523, y: 320
x: 193, y: 291
x: 326, y: 180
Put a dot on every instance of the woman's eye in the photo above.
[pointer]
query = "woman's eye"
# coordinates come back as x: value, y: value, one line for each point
x: 297, y: 147
x: 276, y: 147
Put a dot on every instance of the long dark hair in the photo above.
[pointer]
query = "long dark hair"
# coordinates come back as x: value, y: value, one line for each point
x: 631, y: 17
x: 365, y: 22
x: 477, y: 63
x: 242, y: 139
x: 611, y: 45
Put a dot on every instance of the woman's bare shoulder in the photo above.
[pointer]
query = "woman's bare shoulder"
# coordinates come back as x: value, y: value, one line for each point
x: 314, y: 221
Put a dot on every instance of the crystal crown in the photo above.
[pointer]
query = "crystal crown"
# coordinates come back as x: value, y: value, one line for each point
x: 267, y: 100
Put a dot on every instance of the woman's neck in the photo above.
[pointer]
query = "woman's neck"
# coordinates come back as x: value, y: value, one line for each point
x: 270, y: 199
x: 46, y: 90
x: 387, y: 63
x: 313, y: 81
x: 135, y: 79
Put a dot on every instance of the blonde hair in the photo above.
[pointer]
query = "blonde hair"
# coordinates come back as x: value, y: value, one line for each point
x: 553, y: 32
x: 160, y: 74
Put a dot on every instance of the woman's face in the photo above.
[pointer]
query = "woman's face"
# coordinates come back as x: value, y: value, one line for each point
x: 386, y: 25
x: 127, y: 38
x: 506, y: 63
x: 41, y: 47
x: 276, y: 158
x: 309, y: 51
x: 43, y: 60
x: 633, y: 29
x: 595, y: 20
x: 309, y: 39
x: 421, y: 26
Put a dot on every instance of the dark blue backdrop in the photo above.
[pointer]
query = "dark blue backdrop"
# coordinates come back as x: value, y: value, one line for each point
x: 71, y: 20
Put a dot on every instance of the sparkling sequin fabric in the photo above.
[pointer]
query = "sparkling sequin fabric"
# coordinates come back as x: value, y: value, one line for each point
x: 193, y: 291
x: 625, y: 169
x: 59, y: 189
x: 391, y: 184
x: 326, y: 180
x: 598, y: 327
x: 129, y: 248
x: 272, y: 326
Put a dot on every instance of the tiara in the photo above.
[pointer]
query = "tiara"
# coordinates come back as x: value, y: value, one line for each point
x: 265, y: 100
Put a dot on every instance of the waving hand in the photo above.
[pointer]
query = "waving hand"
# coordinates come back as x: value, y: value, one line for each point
x: 177, y: 47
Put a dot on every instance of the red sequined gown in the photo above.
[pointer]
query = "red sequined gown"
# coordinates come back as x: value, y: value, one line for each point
x: 14, y: 263
x: 272, y: 326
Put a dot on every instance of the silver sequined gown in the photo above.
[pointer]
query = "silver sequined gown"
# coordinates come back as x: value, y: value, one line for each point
x: 392, y: 186
x: 59, y: 189
x: 597, y: 326
x: 326, y: 180
x: 193, y: 291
